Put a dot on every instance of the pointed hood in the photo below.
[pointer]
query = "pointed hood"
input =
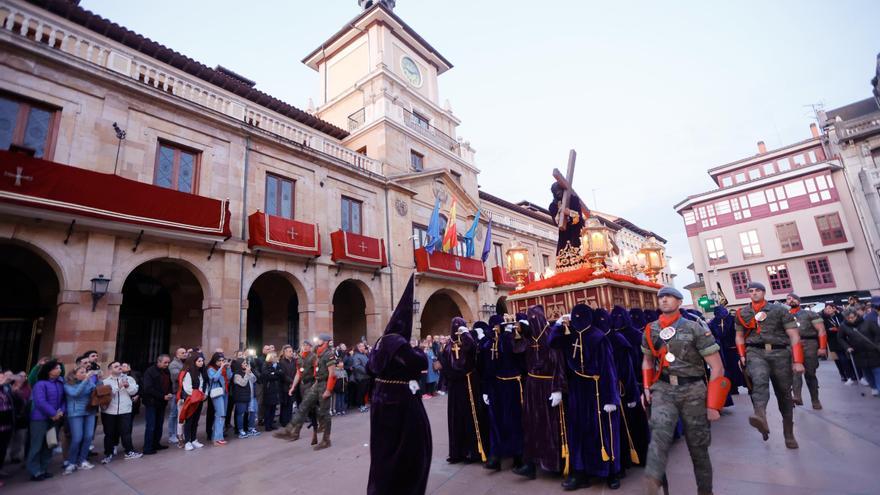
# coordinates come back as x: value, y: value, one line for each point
x: 537, y: 320
x: 638, y: 318
x: 495, y: 320
x: 620, y: 318
x: 457, y: 322
x: 401, y: 321
x: 581, y: 316
x: 721, y: 312
x: 602, y: 320
x: 482, y: 324
x: 651, y: 315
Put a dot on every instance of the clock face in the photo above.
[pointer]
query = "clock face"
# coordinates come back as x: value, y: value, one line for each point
x: 411, y: 71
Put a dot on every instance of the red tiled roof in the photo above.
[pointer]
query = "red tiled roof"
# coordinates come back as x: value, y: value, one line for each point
x: 70, y: 10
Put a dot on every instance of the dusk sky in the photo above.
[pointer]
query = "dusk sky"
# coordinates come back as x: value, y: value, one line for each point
x: 650, y: 94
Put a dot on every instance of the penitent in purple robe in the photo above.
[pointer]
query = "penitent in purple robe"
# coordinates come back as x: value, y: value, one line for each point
x: 722, y: 326
x: 593, y: 434
x: 466, y: 412
x: 635, y: 425
x: 400, y: 434
x: 542, y: 435
x: 502, y: 373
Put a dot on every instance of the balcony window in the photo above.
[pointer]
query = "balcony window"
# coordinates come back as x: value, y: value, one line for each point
x: 819, y: 270
x: 279, y: 196
x: 351, y: 215
x: 748, y: 240
x: 779, y: 278
x: 789, y: 237
x: 417, y: 161
x: 176, y: 168
x: 830, y: 229
x: 715, y: 251
x: 740, y: 280
x: 24, y: 124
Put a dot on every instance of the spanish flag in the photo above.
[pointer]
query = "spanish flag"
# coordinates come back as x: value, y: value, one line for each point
x: 450, y: 237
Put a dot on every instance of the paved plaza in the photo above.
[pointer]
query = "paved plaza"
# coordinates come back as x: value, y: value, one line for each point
x: 840, y: 446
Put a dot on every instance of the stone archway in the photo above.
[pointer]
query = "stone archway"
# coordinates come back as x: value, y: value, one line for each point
x: 29, y: 288
x: 439, y: 310
x: 273, y: 315
x: 161, y: 310
x: 351, y: 301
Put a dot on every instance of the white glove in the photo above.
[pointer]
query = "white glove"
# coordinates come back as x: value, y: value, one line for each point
x: 523, y: 322
x: 609, y: 408
x: 480, y: 333
x: 509, y: 328
x: 414, y: 386
x: 486, y: 399
x: 631, y: 405
x: 461, y: 330
x: 555, y: 399
x: 566, y: 318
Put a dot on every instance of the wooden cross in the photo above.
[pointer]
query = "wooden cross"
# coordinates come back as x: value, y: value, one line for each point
x: 495, y: 347
x: 566, y: 195
x: 363, y: 247
x: 292, y: 233
x: 18, y: 176
x: 536, y: 346
x: 455, y: 349
x: 577, y: 347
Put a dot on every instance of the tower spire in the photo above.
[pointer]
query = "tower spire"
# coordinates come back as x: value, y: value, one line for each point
x: 367, y: 4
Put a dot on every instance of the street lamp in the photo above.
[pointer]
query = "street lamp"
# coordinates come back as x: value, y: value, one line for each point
x: 99, y: 288
x: 487, y: 309
x: 518, y: 264
x: 652, y: 254
x: 416, y: 306
x: 595, y: 244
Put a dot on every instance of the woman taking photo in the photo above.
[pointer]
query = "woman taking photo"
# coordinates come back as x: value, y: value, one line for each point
x: 80, y: 417
x: 219, y: 375
x: 48, y: 409
x: 195, y: 378
x: 244, y: 395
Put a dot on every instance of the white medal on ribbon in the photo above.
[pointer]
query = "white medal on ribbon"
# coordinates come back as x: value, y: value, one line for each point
x: 670, y: 357
x: 761, y: 316
x: 667, y: 333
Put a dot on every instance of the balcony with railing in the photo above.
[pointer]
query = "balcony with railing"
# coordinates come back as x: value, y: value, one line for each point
x: 860, y: 128
x: 81, y: 43
x: 421, y: 125
x: 356, y: 120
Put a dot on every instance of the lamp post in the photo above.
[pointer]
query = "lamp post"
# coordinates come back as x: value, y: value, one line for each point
x: 487, y: 309
x: 417, y: 305
x: 595, y: 244
x: 99, y: 288
x: 518, y: 264
x: 652, y: 254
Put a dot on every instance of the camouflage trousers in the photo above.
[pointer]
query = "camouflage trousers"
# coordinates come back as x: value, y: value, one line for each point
x: 313, y: 399
x: 811, y: 364
x: 669, y: 403
x: 770, y: 366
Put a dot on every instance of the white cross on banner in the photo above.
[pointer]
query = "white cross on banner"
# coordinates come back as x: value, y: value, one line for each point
x: 363, y: 247
x: 292, y: 233
x: 18, y: 176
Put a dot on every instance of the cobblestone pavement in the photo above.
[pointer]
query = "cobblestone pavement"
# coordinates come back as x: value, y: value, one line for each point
x: 840, y: 446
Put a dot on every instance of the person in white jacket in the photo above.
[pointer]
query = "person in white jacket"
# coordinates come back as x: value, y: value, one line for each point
x: 116, y: 417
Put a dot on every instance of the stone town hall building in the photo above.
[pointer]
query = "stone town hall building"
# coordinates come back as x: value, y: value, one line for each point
x: 224, y: 216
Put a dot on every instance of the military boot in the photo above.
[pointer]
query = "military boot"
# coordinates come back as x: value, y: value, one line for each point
x: 314, y: 436
x: 325, y: 440
x: 285, y: 432
x: 652, y: 486
x: 294, y: 435
x: 759, y: 422
x: 817, y: 405
x: 788, y: 432
x: 798, y: 400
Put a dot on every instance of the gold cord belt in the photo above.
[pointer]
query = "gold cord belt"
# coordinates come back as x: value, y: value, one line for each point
x: 591, y: 377
x: 518, y: 379
x: 474, y: 417
x: 542, y: 377
x: 392, y: 382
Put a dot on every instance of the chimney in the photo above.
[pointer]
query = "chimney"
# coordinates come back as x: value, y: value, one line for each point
x: 814, y: 130
x: 762, y: 148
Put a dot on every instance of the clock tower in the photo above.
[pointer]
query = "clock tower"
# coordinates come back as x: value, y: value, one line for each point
x: 379, y: 81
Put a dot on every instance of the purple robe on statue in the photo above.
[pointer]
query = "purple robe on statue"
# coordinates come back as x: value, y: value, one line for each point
x: 466, y: 412
x: 502, y: 372
x: 572, y: 232
x: 542, y: 436
x: 593, y: 434
x: 400, y: 434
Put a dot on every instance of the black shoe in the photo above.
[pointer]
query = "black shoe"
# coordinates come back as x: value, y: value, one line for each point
x: 38, y: 477
x: 576, y: 480
x: 47, y: 475
x: 493, y: 463
x: 453, y: 460
x: 91, y: 454
x: 613, y: 482
x: 150, y: 452
x: 517, y: 461
x: 470, y: 460
x: 161, y: 447
x: 528, y: 470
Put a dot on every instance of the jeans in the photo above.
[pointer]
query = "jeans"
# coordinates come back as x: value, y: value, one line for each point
x: 875, y: 373
x: 39, y: 453
x: 82, y: 432
x: 116, y: 426
x: 339, y: 402
x: 172, y: 419
x: 269, y: 415
x: 219, y: 417
x: 240, y: 409
x: 154, y: 416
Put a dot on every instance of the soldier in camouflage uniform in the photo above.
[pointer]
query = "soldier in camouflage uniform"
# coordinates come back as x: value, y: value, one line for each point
x: 815, y: 343
x: 674, y: 375
x: 319, y: 393
x: 305, y: 369
x: 769, y: 347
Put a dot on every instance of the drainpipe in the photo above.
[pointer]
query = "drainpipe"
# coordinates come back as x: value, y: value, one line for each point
x: 241, y: 294
x: 388, y: 247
